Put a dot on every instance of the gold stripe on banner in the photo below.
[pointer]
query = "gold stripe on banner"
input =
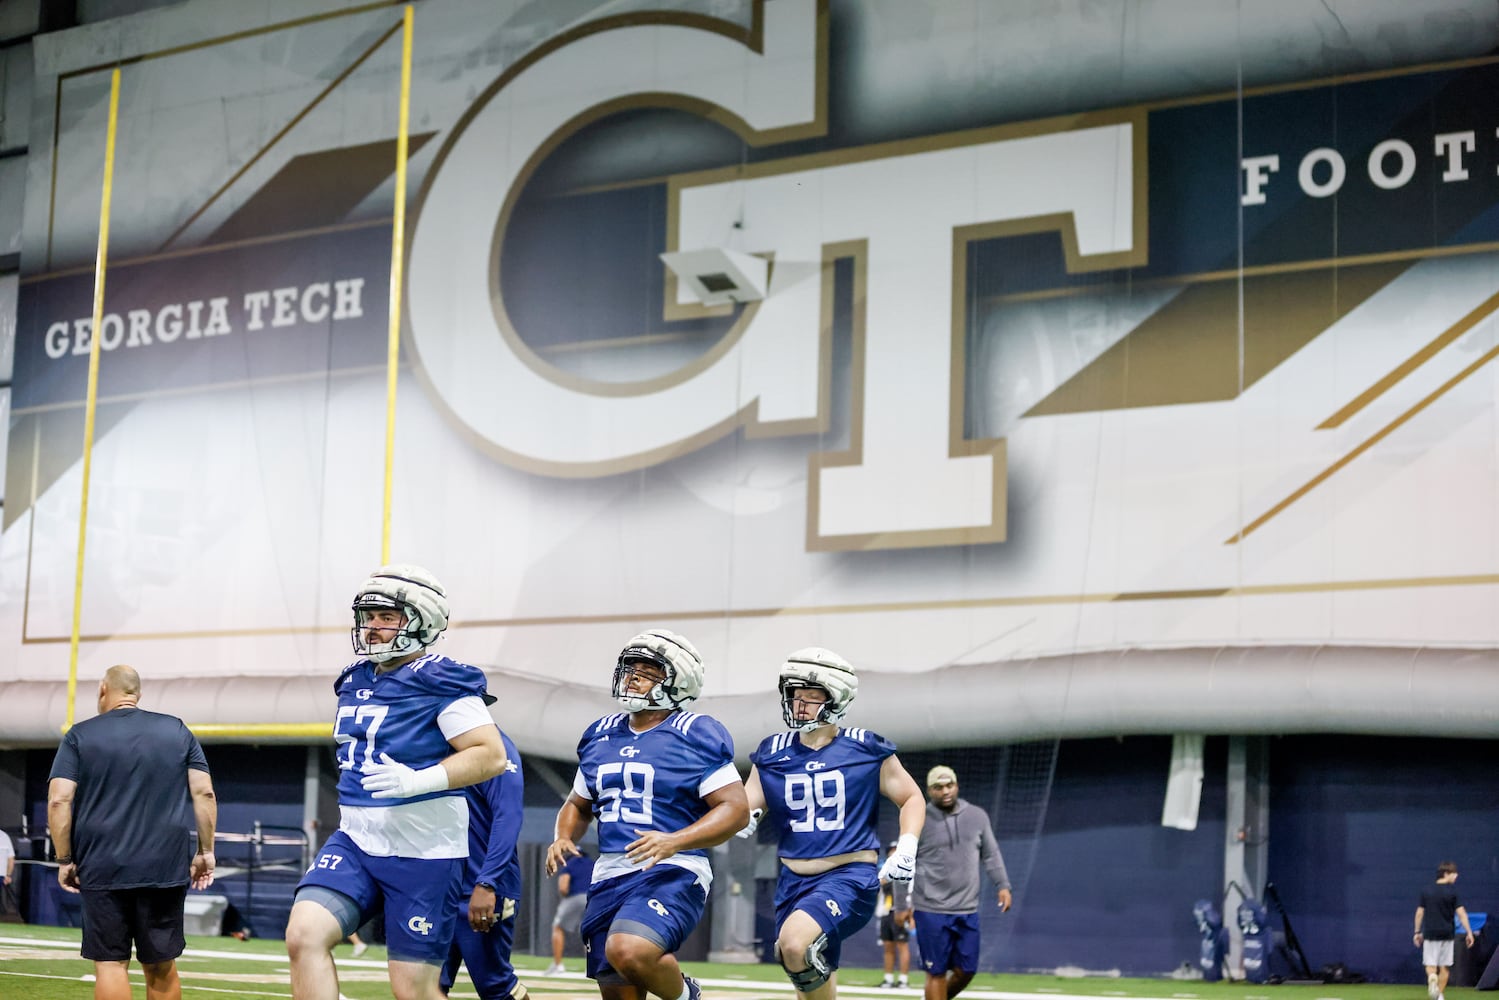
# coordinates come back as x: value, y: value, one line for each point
x: 397, y: 260
x: 1411, y: 363
x: 873, y: 607
x: 1368, y: 443
x: 295, y: 119
x: 163, y: 53
x: 101, y: 258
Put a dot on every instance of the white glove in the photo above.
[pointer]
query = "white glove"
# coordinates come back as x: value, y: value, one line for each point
x: 754, y: 824
x: 391, y: 779
x: 900, y: 866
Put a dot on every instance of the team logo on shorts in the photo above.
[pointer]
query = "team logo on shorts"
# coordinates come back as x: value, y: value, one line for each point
x: 420, y: 925
x: 655, y: 904
x: 833, y: 907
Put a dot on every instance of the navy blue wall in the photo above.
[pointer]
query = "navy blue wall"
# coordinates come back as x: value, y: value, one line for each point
x: 1108, y: 886
x: 1358, y: 825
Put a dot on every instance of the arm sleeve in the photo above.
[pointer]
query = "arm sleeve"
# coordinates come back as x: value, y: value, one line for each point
x: 505, y: 794
x: 725, y: 775
x: 994, y: 862
x: 463, y: 715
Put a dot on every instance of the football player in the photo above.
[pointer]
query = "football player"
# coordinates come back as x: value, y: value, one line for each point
x: 662, y: 783
x: 490, y: 889
x: 413, y: 729
x: 818, y: 786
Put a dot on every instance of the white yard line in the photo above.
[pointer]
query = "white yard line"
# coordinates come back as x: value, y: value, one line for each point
x: 541, y: 981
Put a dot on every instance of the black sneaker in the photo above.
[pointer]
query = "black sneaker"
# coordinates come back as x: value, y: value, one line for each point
x: 694, y: 991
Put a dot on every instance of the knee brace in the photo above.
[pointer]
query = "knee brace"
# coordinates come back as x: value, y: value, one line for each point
x: 816, y: 973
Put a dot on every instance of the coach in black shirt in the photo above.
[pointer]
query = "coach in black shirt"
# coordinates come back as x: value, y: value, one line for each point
x: 127, y: 789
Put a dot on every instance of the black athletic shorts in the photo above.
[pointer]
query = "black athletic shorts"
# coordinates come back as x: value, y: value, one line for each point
x: 890, y: 932
x: 151, y: 918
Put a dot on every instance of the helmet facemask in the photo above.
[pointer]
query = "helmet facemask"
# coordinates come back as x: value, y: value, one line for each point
x: 672, y: 656
x: 789, y: 692
x: 655, y: 698
x: 410, y: 592
x: 407, y: 634
x: 815, y: 667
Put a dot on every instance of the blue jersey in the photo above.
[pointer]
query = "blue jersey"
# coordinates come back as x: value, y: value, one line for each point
x: 579, y: 871
x: 495, y: 811
x: 396, y: 713
x: 822, y: 802
x: 653, y: 780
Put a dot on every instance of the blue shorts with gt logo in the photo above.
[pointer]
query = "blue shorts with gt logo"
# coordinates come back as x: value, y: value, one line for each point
x: 419, y: 895
x: 661, y: 904
x: 841, y: 901
x: 948, y: 941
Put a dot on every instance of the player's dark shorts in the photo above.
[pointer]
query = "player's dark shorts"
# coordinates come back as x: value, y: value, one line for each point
x: 419, y: 895
x: 661, y: 904
x: 149, y: 917
x: 948, y: 941
x: 890, y: 932
x: 841, y: 901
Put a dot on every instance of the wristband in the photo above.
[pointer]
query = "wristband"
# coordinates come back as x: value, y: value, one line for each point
x: 906, y: 844
x: 65, y: 861
x: 432, y: 779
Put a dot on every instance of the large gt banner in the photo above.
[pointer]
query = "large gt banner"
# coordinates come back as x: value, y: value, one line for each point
x: 1124, y: 406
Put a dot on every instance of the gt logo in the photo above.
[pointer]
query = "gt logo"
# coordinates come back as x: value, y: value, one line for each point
x: 768, y: 376
x: 816, y: 765
x: 833, y: 908
x: 364, y: 694
x: 655, y: 904
x: 629, y: 751
x: 419, y: 925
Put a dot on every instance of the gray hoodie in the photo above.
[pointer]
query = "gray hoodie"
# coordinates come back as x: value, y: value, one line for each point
x: 947, y: 860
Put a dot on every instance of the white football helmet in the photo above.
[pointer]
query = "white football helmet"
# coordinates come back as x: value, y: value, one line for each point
x: 819, y: 668
x: 673, y: 654
x: 410, y: 590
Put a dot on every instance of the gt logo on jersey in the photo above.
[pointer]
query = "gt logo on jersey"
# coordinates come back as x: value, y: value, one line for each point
x: 816, y: 765
x: 833, y: 907
x: 630, y: 751
x: 420, y: 925
x: 655, y: 904
x: 364, y: 694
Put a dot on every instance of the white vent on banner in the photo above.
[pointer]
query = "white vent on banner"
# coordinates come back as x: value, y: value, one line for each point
x: 717, y: 277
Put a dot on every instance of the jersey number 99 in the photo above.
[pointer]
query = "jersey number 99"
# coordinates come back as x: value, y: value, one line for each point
x: 819, y: 801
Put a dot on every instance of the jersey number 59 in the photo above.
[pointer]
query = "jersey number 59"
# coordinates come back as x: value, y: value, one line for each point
x: 630, y: 800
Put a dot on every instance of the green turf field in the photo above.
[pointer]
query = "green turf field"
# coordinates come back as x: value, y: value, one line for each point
x: 42, y: 963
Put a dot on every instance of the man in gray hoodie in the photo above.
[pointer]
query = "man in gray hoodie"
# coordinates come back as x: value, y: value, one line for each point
x: 945, y: 893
